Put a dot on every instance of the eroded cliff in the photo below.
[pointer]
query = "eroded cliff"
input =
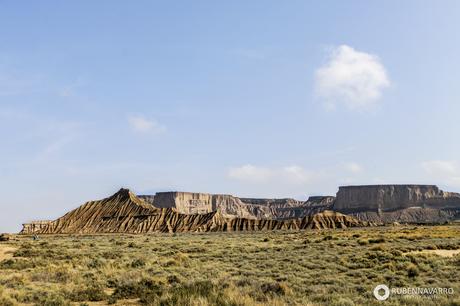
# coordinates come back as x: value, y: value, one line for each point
x: 400, y: 203
x: 126, y: 213
x: 231, y: 206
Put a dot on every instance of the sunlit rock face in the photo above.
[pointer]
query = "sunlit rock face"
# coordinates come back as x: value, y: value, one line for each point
x: 231, y: 206
x: 36, y: 226
x: 124, y: 212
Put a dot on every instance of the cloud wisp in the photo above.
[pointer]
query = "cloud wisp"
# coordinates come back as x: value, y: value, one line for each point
x: 353, y: 167
x: 254, y: 174
x: 446, y: 171
x: 141, y: 124
x: 250, y: 173
x: 353, y: 78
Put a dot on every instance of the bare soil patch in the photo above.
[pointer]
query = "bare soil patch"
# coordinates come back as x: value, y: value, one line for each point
x: 6, y: 251
x: 443, y: 253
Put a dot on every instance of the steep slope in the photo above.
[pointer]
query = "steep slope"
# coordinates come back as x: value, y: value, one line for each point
x: 384, y: 198
x: 123, y: 212
x: 323, y: 220
x: 398, y: 203
x: 409, y: 215
x: 126, y: 213
x: 231, y: 206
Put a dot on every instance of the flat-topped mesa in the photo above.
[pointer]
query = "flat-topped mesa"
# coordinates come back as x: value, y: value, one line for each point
x: 183, y: 202
x: 203, y: 203
x: 124, y: 212
x: 388, y: 198
x: 231, y: 206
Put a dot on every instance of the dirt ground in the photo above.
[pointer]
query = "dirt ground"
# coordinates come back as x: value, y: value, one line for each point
x: 6, y: 251
x: 443, y: 253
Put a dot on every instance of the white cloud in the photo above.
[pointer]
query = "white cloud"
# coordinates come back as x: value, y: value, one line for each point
x: 296, y: 174
x: 290, y: 174
x: 143, y: 125
x: 445, y: 171
x: 250, y: 173
x: 440, y: 167
x: 353, y: 167
x: 351, y: 77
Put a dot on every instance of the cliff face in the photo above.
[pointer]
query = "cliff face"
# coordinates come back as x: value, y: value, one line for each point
x: 409, y: 215
x: 234, y: 207
x: 184, y: 202
x: 401, y: 203
x: 386, y: 198
x: 125, y: 213
x: 35, y: 226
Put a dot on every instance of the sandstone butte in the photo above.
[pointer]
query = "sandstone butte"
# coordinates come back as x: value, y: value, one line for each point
x: 125, y: 212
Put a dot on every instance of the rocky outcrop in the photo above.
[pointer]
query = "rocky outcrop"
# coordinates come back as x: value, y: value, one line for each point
x: 409, y: 215
x: 184, y: 202
x: 35, y: 226
x: 323, y: 220
x: 398, y: 203
x: 230, y: 206
x: 4, y: 237
x: 384, y: 198
x: 124, y: 212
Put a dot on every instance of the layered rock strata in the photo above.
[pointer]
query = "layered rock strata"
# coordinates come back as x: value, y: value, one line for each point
x: 230, y: 206
x: 398, y: 203
x: 124, y: 212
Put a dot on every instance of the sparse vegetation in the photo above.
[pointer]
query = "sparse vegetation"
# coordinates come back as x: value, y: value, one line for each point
x: 326, y: 267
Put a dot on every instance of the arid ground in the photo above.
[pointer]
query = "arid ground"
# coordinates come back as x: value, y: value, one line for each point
x: 312, y: 267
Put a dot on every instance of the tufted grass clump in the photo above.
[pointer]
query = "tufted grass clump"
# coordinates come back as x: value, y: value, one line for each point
x: 311, y: 267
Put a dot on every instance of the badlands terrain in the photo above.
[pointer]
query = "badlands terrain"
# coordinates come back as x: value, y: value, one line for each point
x: 182, y: 248
x: 353, y: 206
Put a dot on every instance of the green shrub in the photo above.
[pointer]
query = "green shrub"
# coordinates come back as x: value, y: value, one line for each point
x: 17, y: 264
x: 55, y: 300
x: 377, y: 240
x: 198, y: 290
x: 93, y: 293
x: 132, y: 289
x: 412, y: 270
x: 96, y: 263
x: 274, y: 288
x: 5, y: 301
x: 137, y: 263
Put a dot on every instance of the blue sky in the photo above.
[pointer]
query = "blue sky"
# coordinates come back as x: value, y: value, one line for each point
x: 252, y: 98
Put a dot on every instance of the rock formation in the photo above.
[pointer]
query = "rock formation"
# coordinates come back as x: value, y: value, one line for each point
x: 230, y: 206
x: 124, y: 212
x: 35, y: 226
x: 398, y: 203
x: 376, y: 203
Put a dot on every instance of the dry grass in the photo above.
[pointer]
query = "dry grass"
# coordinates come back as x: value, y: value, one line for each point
x: 328, y: 267
x: 6, y: 251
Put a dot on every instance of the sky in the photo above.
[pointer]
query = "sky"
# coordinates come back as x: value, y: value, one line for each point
x: 250, y: 98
